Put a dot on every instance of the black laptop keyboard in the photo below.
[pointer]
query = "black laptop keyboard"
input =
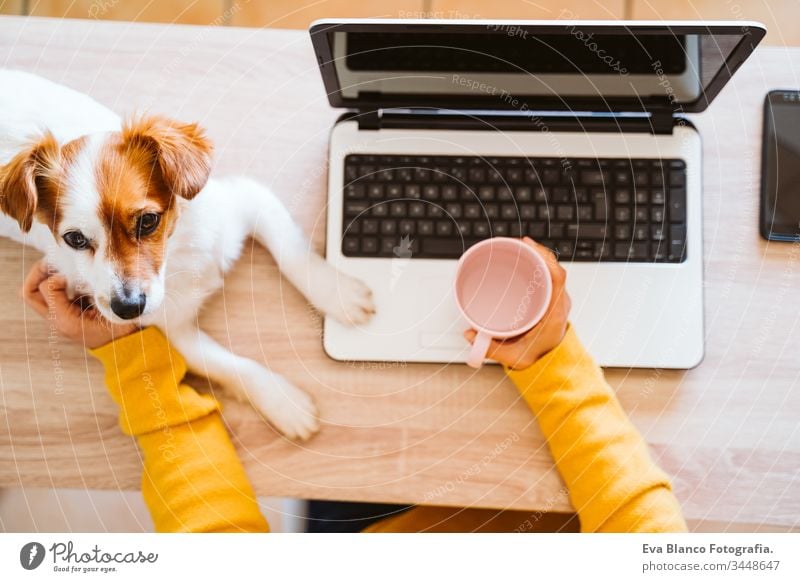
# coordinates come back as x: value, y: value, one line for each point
x: 585, y: 209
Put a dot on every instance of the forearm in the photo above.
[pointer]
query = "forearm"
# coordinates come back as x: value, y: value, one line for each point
x: 193, y: 480
x: 614, y: 485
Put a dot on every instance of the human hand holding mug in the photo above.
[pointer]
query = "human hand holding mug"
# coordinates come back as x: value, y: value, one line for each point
x: 537, y: 325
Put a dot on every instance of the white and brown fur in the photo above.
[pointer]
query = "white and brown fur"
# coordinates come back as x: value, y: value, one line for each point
x: 69, y: 164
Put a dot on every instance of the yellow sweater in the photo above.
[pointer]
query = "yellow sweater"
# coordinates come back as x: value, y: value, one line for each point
x: 193, y: 480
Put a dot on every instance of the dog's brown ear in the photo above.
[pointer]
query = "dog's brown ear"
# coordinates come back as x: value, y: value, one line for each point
x: 181, y: 151
x: 23, y: 177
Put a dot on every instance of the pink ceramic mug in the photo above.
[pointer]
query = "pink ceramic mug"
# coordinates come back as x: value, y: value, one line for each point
x: 502, y: 288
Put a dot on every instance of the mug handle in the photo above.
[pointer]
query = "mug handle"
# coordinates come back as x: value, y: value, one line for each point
x: 479, y: 348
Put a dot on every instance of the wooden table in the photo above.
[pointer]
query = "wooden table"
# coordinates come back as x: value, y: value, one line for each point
x: 727, y: 432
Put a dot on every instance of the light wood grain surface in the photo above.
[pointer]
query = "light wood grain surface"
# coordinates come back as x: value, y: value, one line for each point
x: 726, y: 432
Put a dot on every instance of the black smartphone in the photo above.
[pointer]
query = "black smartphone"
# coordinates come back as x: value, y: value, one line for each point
x: 780, y: 167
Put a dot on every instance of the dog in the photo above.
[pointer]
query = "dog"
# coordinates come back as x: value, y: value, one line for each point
x: 127, y: 212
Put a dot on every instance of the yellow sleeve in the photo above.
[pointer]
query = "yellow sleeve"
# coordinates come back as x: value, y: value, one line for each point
x: 613, y: 483
x: 193, y: 480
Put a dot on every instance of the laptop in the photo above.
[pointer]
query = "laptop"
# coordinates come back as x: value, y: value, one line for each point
x: 571, y: 133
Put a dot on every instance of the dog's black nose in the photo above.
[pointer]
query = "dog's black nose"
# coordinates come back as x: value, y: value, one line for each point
x: 128, y: 306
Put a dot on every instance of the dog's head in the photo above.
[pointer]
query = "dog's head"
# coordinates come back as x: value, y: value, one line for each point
x: 111, y: 201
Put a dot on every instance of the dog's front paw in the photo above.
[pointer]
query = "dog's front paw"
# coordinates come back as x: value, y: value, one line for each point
x: 287, y: 407
x: 341, y: 296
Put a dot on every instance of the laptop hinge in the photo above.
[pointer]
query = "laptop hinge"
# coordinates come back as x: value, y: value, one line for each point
x: 662, y: 119
x: 369, y: 119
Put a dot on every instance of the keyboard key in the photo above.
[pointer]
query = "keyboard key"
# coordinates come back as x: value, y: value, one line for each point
x: 355, y: 208
x: 443, y: 247
x: 600, y: 205
x: 487, y: 193
x: 394, y: 191
x: 659, y: 233
x: 398, y: 209
x: 416, y: 209
x: 565, y: 249
x: 508, y: 211
x: 523, y: 194
x: 449, y: 192
x: 481, y: 229
x: 353, y: 228
x: 413, y: 191
x: 593, y: 177
x: 350, y: 245
x: 582, y: 195
x: 387, y: 246
x: 632, y: 251
x: 555, y: 230
x: 422, y: 174
x: 425, y: 228
x: 677, y: 178
x: 473, y: 211
x: 500, y: 228
x: 407, y: 227
x: 444, y: 228
x: 453, y: 210
x: 430, y: 192
x: 354, y: 192
x: 536, y: 230
x: 622, y: 177
x: 622, y: 196
x: 657, y: 214
x: 677, y: 243
x: 586, y: 231
x: 369, y: 245
x: 561, y: 195
x: 677, y: 205
x: 369, y: 226
x: 477, y: 175
x: 601, y: 251
x: 552, y: 176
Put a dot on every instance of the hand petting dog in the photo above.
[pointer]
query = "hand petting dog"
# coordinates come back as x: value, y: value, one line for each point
x: 46, y: 292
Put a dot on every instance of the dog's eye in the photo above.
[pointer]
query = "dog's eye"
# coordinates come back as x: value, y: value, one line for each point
x: 147, y: 223
x: 76, y: 240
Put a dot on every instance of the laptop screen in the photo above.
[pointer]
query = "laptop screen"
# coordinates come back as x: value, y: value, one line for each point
x: 528, y: 66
